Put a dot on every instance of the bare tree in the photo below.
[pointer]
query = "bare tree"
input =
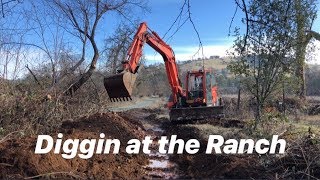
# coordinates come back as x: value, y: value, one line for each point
x: 10, y: 54
x: 117, y: 45
x: 8, y: 5
x: 305, y: 14
x: 51, y: 36
x: 84, y: 17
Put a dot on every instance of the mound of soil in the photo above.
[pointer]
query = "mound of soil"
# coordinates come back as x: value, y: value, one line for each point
x: 216, y: 166
x: 17, y: 158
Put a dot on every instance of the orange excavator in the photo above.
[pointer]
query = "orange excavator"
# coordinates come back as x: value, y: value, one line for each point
x: 199, y: 99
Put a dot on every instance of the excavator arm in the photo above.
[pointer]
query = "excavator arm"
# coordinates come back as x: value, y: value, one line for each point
x: 119, y: 86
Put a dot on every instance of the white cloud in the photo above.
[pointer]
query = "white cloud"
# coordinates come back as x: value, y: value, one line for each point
x: 315, y: 53
x: 189, y: 52
x: 183, y: 53
x: 14, y: 66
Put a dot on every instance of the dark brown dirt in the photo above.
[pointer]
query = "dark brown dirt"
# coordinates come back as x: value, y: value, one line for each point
x: 215, y: 166
x: 17, y: 158
x: 301, y: 160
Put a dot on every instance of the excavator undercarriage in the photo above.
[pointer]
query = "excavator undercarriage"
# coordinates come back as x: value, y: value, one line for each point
x: 196, y: 113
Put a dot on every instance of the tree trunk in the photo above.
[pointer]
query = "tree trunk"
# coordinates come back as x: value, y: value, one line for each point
x: 300, y: 73
x: 85, y: 77
x: 258, y: 114
x: 300, y: 50
x: 239, y: 98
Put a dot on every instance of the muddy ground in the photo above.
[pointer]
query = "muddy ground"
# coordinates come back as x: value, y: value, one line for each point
x: 18, y: 161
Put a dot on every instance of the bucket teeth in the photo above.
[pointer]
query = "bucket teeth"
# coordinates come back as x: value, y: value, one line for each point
x: 123, y: 99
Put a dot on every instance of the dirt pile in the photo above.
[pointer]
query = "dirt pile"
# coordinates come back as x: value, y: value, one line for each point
x: 202, y: 165
x: 17, y: 158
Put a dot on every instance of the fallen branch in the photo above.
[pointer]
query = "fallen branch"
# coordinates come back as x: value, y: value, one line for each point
x: 6, y: 164
x: 33, y: 75
x: 7, y: 136
x: 55, y: 173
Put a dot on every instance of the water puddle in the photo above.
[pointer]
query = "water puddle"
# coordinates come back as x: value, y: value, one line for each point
x: 157, y: 130
x: 159, y: 165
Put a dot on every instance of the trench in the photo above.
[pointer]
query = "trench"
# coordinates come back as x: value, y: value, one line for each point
x: 160, y: 165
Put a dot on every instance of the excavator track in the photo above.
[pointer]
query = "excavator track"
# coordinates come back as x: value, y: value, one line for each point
x: 196, y: 113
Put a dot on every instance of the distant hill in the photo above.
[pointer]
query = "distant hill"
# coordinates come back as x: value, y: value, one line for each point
x: 215, y: 63
x: 152, y: 79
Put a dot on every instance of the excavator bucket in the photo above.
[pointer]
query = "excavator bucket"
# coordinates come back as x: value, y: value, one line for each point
x: 119, y: 86
x: 196, y: 113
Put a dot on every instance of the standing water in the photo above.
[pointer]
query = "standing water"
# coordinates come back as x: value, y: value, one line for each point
x: 159, y: 165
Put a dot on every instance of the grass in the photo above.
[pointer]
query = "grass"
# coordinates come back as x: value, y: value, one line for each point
x: 289, y: 130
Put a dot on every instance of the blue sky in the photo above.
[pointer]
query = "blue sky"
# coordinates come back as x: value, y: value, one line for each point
x: 211, y: 18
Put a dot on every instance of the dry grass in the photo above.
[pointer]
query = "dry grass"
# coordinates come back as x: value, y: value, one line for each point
x: 300, y: 161
x: 212, y: 63
x: 29, y: 109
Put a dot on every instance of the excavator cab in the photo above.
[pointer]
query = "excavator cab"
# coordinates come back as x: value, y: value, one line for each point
x: 201, y: 88
x: 195, y: 88
x: 201, y: 95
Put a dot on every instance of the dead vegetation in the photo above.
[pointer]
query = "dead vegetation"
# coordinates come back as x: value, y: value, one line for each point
x: 301, y: 159
x: 28, y: 108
